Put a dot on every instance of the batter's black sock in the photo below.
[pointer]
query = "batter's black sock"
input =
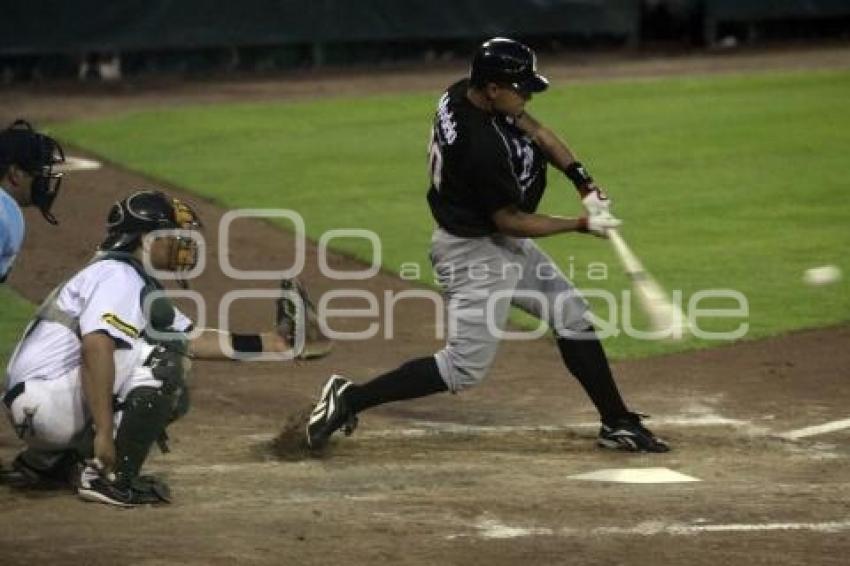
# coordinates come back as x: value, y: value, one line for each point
x: 416, y: 378
x: 586, y: 360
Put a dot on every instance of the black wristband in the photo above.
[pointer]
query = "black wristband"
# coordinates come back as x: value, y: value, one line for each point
x: 246, y: 343
x: 576, y: 173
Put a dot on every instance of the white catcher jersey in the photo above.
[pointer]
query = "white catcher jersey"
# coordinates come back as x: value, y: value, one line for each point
x: 104, y: 296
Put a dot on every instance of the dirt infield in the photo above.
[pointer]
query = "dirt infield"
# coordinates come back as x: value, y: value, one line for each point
x: 478, y: 478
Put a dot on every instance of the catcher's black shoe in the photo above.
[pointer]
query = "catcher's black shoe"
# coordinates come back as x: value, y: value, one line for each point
x: 330, y: 414
x: 143, y: 490
x: 627, y: 433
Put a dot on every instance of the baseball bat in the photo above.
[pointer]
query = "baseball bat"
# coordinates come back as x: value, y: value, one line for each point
x: 664, y: 316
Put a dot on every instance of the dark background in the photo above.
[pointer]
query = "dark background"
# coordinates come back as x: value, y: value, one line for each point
x: 48, y: 39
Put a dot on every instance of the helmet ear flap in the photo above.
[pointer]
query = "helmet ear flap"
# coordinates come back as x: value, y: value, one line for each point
x: 116, y: 239
x: 115, y: 216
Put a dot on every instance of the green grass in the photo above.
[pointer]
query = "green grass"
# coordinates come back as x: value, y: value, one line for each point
x: 16, y: 313
x: 733, y: 182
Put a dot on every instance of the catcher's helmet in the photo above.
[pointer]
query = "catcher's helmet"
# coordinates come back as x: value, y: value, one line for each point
x: 146, y: 211
x: 504, y: 61
x: 36, y: 154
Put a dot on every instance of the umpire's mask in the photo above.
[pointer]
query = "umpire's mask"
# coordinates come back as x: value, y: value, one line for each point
x: 36, y: 154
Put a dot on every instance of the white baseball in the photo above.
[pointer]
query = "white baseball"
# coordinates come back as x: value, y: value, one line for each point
x: 823, y: 275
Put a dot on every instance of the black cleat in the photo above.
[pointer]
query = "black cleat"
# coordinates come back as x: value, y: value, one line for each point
x: 627, y: 433
x: 330, y: 414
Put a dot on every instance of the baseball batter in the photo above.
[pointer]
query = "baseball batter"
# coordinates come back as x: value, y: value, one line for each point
x: 27, y: 178
x: 488, y: 161
x: 101, y: 370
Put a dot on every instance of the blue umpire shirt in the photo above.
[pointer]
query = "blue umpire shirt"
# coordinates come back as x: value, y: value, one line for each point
x: 11, y: 232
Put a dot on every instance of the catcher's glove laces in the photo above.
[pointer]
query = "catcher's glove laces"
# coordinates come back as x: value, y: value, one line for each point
x: 298, y: 322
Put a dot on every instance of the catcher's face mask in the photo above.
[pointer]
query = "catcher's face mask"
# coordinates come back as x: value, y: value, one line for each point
x: 172, y: 244
x: 183, y: 252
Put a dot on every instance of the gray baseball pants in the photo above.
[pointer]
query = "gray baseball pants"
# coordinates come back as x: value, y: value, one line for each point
x: 481, y: 278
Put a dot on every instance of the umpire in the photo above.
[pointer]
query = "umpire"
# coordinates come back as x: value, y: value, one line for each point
x: 488, y: 161
x: 27, y: 178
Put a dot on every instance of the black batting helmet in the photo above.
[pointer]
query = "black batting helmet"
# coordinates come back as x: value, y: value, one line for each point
x: 36, y: 154
x: 504, y: 61
x: 147, y: 211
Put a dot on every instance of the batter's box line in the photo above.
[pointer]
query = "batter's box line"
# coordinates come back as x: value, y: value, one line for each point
x: 816, y: 430
x: 490, y: 528
x: 427, y: 428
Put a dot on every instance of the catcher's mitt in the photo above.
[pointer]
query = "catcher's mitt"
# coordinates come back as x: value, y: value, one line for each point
x: 298, y: 322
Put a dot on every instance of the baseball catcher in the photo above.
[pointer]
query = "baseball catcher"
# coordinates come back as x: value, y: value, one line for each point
x: 102, y: 369
x: 488, y: 164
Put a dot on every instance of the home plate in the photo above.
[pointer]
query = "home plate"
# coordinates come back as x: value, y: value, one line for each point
x: 635, y: 475
x: 78, y: 164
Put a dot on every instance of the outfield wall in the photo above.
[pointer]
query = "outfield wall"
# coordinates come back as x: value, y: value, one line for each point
x: 113, y: 39
x: 50, y: 27
x: 753, y: 13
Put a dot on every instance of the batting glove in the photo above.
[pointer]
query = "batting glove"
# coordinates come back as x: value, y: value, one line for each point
x: 596, y: 202
x: 599, y: 224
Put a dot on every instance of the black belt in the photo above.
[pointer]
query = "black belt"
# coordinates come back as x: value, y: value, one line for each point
x: 13, y: 394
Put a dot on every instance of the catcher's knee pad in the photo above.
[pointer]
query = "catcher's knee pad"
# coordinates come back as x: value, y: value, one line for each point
x: 170, y: 365
x: 145, y: 414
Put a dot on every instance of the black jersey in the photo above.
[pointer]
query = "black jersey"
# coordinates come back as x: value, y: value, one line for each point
x: 479, y: 163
